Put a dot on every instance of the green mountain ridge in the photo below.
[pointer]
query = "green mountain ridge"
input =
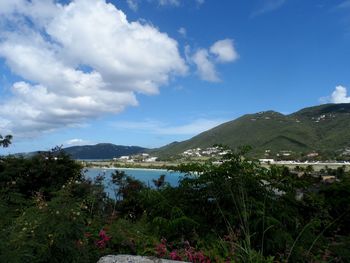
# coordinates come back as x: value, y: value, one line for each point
x: 102, y: 151
x: 322, y: 128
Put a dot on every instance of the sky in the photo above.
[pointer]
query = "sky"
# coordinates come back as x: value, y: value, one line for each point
x: 150, y: 72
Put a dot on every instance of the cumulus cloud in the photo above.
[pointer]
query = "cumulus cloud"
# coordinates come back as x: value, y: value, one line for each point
x: 155, y: 127
x: 205, y: 66
x: 78, y: 61
x: 222, y: 51
x: 339, y: 95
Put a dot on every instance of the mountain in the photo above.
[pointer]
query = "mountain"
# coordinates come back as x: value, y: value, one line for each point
x: 102, y: 151
x: 323, y: 128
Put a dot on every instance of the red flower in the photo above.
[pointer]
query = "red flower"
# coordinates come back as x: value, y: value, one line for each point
x: 104, y: 239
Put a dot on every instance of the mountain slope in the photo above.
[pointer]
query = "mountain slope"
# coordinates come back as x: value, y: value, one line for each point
x: 102, y: 151
x: 324, y: 128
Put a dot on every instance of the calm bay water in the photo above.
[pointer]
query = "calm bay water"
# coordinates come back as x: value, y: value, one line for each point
x: 144, y: 175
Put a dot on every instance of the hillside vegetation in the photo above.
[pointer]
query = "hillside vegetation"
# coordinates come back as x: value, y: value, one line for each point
x: 322, y: 128
x: 234, y: 212
x: 102, y: 151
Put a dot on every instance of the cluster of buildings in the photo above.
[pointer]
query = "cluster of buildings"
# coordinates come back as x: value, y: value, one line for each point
x: 142, y: 157
x: 323, y: 117
x: 207, y: 152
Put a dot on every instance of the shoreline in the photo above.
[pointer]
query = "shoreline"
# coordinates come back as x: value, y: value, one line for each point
x: 130, y: 168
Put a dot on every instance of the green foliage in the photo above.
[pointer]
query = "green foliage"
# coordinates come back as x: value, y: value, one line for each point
x: 48, y: 230
x: 256, y: 207
x: 127, y: 192
x: 5, y: 141
x: 237, y: 211
x: 45, y: 172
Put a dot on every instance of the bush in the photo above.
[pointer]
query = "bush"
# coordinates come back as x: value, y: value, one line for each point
x: 233, y: 212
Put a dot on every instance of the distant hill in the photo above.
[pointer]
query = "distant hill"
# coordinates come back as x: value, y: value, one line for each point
x: 320, y: 128
x: 102, y: 151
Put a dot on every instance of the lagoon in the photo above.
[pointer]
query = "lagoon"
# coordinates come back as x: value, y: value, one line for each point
x: 144, y: 175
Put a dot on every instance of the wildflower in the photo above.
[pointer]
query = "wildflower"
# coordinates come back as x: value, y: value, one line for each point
x: 104, y: 239
x: 57, y: 212
x: 174, y: 256
x: 199, y: 257
x: 189, y: 256
x: 161, y: 250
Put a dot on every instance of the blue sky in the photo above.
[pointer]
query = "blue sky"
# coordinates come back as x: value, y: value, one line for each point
x: 149, y: 72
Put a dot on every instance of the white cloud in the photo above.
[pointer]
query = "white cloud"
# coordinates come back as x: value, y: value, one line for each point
x: 155, y: 127
x: 268, y: 6
x: 205, y: 67
x: 221, y: 51
x: 200, y: 2
x: 224, y: 50
x: 339, y: 95
x: 73, y: 142
x: 78, y: 61
x: 133, y: 4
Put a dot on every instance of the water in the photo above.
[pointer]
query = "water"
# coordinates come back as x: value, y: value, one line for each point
x: 144, y: 175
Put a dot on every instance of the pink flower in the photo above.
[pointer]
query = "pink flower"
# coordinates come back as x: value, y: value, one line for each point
x: 189, y: 255
x: 200, y: 257
x: 104, y: 239
x: 161, y: 250
x: 174, y: 256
